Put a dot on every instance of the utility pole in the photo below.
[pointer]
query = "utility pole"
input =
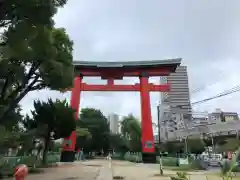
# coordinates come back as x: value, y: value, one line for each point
x: 159, y: 140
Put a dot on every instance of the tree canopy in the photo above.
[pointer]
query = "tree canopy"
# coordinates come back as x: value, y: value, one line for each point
x: 33, y: 54
x: 131, y: 131
x: 97, y: 125
x: 55, y: 117
x: 31, y: 11
x: 52, y: 120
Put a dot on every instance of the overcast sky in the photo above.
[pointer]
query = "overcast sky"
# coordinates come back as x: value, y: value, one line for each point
x: 206, y: 34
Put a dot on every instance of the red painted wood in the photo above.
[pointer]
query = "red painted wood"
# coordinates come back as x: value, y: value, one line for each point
x: 116, y: 87
x: 121, y: 72
x: 146, y: 122
x: 75, y: 103
x: 110, y: 74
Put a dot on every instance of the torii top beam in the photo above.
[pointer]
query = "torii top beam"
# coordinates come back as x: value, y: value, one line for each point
x: 118, y: 70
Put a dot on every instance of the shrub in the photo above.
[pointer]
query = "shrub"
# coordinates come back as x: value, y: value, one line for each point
x: 198, y: 164
x: 180, y: 176
x: 168, y: 161
x: 118, y: 156
x: 30, y: 161
x: 225, y: 167
x: 136, y: 157
x: 236, y: 169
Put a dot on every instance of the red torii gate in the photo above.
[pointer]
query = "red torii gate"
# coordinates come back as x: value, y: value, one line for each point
x: 111, y: 71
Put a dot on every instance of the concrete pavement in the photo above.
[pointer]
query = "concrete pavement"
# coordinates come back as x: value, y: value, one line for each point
x: 89, y: 170
x: 106, y: 170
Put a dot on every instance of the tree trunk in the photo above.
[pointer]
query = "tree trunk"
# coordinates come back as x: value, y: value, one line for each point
x: 45, y: 150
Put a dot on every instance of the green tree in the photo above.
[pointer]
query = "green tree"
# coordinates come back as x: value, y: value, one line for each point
x: 131, y: 131
x: 173, y: 147
x: 84, y: 139
x: 8, y: 139
x: 33, y: 12
x: 83, y: 132
x: 52, y: 120
x: 231, y: 144
x: 97, y: 125
x: 196, y: 146
x: 118, y: 143
x: 11, y: 121
x: 33, y: 54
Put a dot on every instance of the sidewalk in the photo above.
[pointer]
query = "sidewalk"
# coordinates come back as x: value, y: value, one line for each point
x: 106, y: 170
x: 132, y: 171
x: 75, y: 171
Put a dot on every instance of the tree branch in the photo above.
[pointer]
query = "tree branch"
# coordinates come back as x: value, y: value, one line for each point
x: 32, y: 70
x: 38, y: 87
x: 26, y: 79
x: 14, y: 102
x: 4, y: 89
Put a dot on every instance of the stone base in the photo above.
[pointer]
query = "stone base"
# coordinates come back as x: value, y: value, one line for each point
x: 149, y: 158
x: 67, y: 156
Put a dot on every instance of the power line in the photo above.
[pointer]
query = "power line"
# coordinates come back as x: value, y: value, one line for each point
x: 224, y: 93
x: 199, y: 89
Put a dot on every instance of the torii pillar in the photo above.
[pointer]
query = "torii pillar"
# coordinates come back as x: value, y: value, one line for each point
x: 68, y: 148
x: 148, y: 147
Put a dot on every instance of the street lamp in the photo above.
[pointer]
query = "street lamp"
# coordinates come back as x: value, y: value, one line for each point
x: 209, y: 135
x: 159, y: 140
x: 186, y: 145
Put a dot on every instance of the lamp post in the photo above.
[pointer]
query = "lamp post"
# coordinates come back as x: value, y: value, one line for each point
x: 185, y: 143
x: 186, y: 146
x: 159, y: 140
x: 212, y: 140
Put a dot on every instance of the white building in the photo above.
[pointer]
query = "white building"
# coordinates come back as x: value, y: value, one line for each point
x: 113, y: 120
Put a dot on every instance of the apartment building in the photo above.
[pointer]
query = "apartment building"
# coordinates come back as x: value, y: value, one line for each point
x: 175, y: 108
x: 113, y: 120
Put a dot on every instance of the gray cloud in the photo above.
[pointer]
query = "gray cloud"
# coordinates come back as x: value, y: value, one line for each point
x: 204, y: 33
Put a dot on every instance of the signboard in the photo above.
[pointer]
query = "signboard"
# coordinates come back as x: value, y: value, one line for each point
x: 148, y: 144
x: 69, y: 142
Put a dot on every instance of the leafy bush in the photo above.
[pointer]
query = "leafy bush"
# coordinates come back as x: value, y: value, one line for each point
x: 225, y: 167
x: 236, y: 169
x: 168, y: 161
x: 180, y: 176
x: 118, y: 156
x: 53, y: 158
x: 7, y: 164
x: 30, y: 161
x: 5, y: 170
x: 136, y: 157
x: 198, y: 164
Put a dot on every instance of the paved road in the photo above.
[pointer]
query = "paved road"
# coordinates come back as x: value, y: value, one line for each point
x: 104, y: 170
x: 90, y: 170
x: 132, y: 171
x: 209, y: 170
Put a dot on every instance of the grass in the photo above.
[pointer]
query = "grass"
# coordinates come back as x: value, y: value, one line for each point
x: 179, y: 168
x: 218, y: 177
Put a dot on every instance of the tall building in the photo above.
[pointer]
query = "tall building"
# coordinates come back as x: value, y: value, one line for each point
x: 113, y: 120
x: 175, y: 108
